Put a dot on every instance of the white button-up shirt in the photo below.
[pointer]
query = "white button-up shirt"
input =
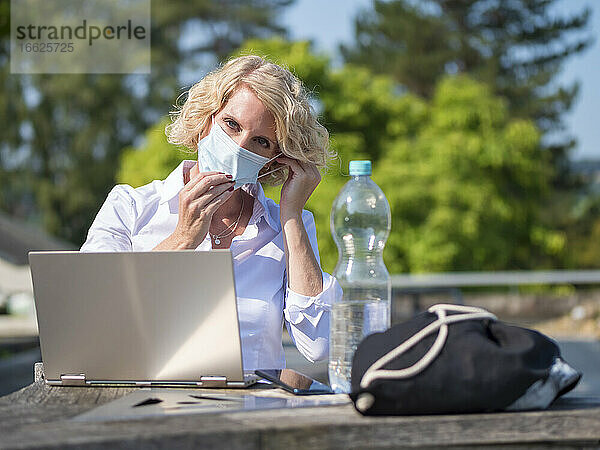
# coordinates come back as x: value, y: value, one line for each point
x: 139, y: 219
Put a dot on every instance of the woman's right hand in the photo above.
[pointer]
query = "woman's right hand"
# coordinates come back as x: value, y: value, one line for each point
x: 201, y: 196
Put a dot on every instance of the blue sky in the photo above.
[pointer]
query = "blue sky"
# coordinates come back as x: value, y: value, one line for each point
x: 328, y: 23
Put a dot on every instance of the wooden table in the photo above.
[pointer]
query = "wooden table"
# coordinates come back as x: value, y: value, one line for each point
x: 38, y: 416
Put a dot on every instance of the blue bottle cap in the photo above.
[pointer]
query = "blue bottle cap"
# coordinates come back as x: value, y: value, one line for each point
x: 360, y: 168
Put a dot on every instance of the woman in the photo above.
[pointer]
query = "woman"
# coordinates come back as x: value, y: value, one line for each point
x: 249, y: 120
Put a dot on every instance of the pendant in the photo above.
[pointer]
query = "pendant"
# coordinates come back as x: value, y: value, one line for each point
x: 217, y: 241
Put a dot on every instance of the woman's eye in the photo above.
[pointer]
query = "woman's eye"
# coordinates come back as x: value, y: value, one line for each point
x: 263, y: 142
x: 231, y: 124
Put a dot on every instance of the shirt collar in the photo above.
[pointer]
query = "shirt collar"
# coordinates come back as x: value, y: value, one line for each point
x: 173, y: 184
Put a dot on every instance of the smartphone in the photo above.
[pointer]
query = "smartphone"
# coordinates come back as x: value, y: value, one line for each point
x: 294, y: 382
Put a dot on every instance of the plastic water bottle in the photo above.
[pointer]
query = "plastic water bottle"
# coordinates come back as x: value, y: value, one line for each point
x: 360, y: 224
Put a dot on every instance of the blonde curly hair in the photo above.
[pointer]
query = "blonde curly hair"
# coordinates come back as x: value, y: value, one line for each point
x: 299, y: 134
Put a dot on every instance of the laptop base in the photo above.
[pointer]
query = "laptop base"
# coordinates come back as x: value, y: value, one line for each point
x: 250, y: 378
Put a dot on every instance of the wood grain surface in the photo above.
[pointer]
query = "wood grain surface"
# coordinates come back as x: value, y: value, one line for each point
x: 37, y: 416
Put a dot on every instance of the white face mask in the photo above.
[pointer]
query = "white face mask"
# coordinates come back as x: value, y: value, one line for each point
x: 220, y: 153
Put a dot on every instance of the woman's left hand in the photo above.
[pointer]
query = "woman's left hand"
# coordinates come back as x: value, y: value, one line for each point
x: 303, y: 178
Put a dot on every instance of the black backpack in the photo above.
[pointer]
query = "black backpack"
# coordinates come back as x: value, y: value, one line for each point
x: 457, y: 359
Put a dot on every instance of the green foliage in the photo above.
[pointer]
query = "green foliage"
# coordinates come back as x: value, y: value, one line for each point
x: 582, y: 227
x: 516, y: 47
x: 465, y: 191
x: 464, y: 180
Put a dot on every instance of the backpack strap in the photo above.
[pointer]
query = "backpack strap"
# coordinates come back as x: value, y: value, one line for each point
x: 374, y: 372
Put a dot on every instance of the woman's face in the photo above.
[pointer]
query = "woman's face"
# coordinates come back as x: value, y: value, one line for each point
x: 246, y: 120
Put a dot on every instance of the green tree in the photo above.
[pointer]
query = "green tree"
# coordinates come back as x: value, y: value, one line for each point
x: 464, y: 180
x: 517, y: 47
x: 466, y: 190
x: 60, y: 149
x: 581, y: 225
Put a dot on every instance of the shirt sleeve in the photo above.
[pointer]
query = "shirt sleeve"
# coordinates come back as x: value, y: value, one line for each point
x: 307, y: 317
x: 112, y: 228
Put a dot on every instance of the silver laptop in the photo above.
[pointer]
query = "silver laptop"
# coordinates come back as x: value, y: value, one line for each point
x: 138, y: 318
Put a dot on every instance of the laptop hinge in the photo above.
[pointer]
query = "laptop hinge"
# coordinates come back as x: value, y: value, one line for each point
x: 213, y: 381
x: 73, y: 379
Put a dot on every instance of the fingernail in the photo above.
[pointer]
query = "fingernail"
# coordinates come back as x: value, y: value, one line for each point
x: 229, y: 176
x: 231, y: 188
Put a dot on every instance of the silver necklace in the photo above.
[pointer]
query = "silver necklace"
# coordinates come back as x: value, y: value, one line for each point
x: 227, y: 231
